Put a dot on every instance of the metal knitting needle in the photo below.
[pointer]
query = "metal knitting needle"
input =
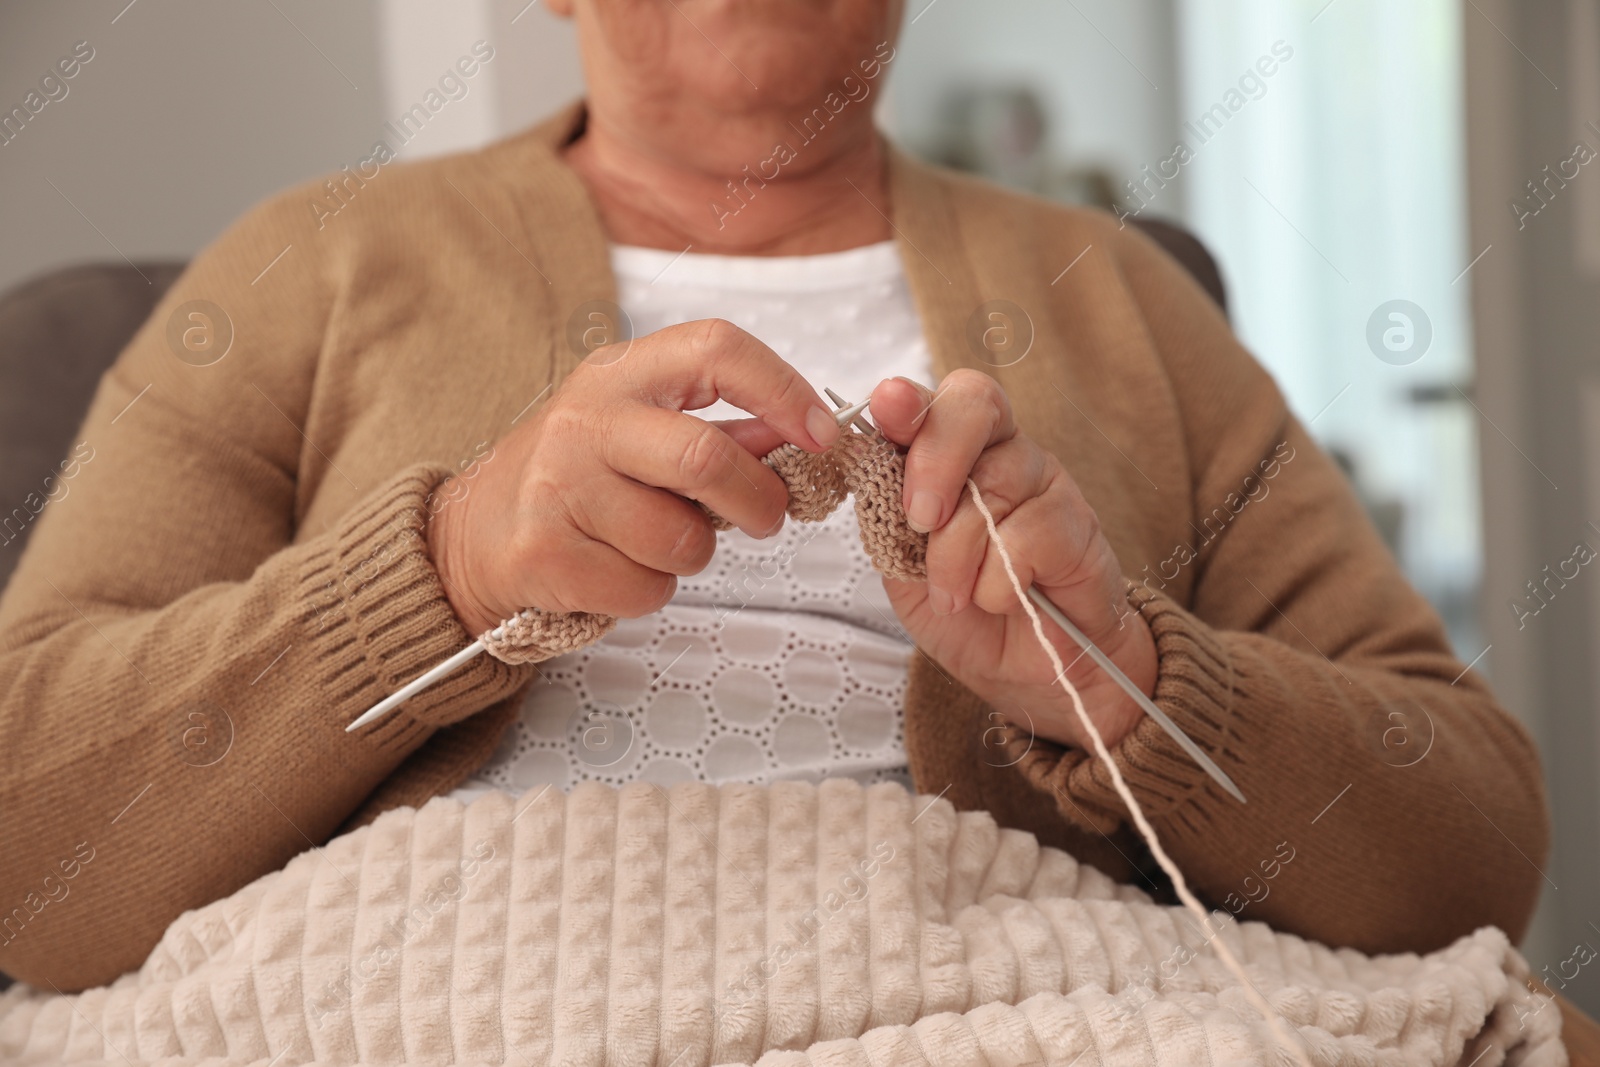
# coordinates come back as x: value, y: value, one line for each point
x: 856, y: 420
x: 847, y: 413
x: 411, y: 689
x: 1105, y: 663
x: 1151, y: 708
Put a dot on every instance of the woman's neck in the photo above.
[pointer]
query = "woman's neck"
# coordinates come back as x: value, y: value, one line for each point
x: 779, y: 202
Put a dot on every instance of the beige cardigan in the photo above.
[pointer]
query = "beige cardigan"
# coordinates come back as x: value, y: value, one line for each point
x: 237, y: 573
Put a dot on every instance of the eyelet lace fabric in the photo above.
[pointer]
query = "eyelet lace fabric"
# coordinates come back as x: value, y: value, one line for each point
x: 782, y: 660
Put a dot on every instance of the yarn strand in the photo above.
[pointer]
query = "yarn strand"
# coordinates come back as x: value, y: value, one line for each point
x: 1146, y: 831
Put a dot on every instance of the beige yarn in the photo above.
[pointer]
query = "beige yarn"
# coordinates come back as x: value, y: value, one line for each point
x: 866, y: 465
x: 533, y: 636
x: 871, y: 467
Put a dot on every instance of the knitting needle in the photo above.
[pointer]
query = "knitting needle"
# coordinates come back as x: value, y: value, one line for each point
x: 857, y: 421
x: 1151, y: 708
x: 846, y: 413
x: 1106, y: 664
x: 411, y: 689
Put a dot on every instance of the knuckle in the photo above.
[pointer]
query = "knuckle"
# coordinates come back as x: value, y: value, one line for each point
x: 536, y: 508
x: 566, y: 421
x: 714, y: 337
x: 979, y: 390
x: 970, y: 384
x: 1043, y: 467
x: 1000, y: 498
x: 1059, y: 486
x: 791, y: 393
x: 1009, y: 468
x: 693, y: 548
x: 1093, y: 532
x: 1090, y: 539
x: 994, y: 470
x: 702, y: 459
x: 649, y: 596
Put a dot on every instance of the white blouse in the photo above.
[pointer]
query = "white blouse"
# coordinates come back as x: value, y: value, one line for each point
x: 783, y: 658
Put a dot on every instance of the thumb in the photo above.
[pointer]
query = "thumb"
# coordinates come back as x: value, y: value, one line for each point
x: 899, y: 406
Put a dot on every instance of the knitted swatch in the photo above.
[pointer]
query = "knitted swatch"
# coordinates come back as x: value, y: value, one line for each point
x: 866, y: 465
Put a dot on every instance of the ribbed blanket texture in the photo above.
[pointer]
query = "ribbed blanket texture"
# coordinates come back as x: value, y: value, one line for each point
x: 795, y: 925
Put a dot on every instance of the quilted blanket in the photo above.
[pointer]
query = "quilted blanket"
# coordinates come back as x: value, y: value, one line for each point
x: 790, y: 926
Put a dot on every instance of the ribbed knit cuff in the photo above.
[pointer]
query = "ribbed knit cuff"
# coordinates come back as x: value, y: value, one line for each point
x: 1196, y: 686
x: 377, y: 617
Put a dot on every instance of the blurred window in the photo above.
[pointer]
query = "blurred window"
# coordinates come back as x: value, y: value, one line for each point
x: 1332, y: 190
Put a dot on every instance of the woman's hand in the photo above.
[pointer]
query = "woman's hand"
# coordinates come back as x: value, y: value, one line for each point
x: 967, y: 616
x: 582, y: 507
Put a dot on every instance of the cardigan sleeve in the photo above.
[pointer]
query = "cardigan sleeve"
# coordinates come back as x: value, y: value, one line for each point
x: 1291, y: 648
x: 176, y: 666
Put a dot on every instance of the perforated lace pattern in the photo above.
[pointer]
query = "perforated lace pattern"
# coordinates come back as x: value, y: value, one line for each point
x: 782, y: 660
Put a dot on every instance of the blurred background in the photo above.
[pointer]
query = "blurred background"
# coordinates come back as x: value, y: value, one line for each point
x: 1395, y: 194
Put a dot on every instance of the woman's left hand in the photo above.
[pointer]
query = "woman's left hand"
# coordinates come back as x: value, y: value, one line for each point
x: 967, y: 616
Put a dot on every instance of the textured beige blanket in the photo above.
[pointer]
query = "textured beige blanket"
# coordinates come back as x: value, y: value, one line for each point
x: 825, y: 926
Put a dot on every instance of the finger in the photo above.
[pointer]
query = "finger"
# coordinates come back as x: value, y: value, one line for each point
x: 898, y: 406
x: 695, y: 364
x: 753, y: 435
x: 652, y: 527
x: 696, y: 459
x: 969, y: 413
x: 1088, y: 599
x: 1008, y: 474
x: 604, y: 581
x: 1055, y: 542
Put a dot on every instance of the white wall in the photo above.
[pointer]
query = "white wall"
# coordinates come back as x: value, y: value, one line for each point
x: 188, y: 112
x: 421, y: 42
x: 1106, y: 69
x: 191, y: 111
x: 541, y: 70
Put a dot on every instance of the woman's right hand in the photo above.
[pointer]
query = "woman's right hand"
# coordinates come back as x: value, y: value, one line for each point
x: 586, y: 505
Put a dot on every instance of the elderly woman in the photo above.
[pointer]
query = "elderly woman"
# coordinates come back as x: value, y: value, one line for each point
x: 415, y: 429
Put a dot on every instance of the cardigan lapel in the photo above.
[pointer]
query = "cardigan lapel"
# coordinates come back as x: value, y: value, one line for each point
x: 985, y: 297
x: 1076, y: 355
x: 558, y: 223
x: 940, y: 275
x: 946, y: 724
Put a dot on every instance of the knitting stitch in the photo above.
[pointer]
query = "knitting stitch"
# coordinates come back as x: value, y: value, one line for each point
x: 866, y: 465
